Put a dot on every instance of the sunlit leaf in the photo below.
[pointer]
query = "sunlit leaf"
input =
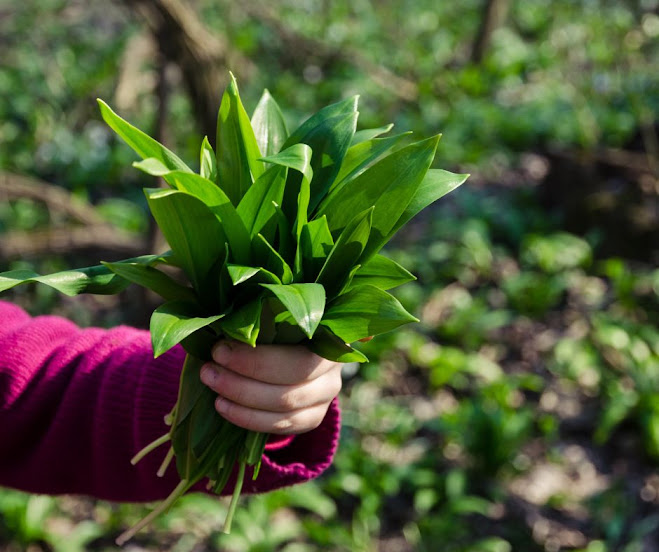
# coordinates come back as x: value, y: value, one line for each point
x: 269, y: 125
x: 306, y: 302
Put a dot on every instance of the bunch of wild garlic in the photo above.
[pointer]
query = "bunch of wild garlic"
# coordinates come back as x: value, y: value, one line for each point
x: 278, y: 236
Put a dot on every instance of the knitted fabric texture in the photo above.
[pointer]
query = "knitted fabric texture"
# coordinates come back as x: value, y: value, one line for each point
x: 77, y: 404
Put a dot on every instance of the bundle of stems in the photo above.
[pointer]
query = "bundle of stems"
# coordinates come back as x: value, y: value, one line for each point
x: 277, y: 238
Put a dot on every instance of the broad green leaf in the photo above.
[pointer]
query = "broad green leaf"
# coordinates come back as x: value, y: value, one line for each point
x: 244, y: 323
x: 389, y: 185
x: 299, y: 158
x: 237, y: 154
x: 271, y: 260
x: 383, y: 273
x: 331, y: 347
x: 192, y: 230
x: 269, y: 125
x: 306, y: 302
x: 316, y: 242
x: 345, y: 253
x: 329, y: 133
x: 364, y: 311
x: 361, y: 156
x: 218, y: 202
x: 240, y: 274
x: 207, y: 161
x: 173, y: 321
x: 343, y: 107
x: 257, y: 206
x: 369, y: 133
x: 436, y: 184
x: 152, y: 166
x: 99, y: 279
x: 153, y: 279
x: 142, y: 144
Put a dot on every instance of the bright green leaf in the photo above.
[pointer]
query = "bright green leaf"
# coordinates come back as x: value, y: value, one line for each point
x: 153, y: 279
x: 207, y: 161
x: 364, y: 311
x: 271, y: 259
x: 257, y: 207
x: 173, y: 321
x: 383, y: 273
x: 240, y: 274
x: 367, y: 134
x: 316, y: 243
x: 345, y: 253
x: 142, y: 144
x: 306, y: 302
x: 269, y: 125
x: 192, y: 230
x: 435, y: 184
x: 331, y: 347
x: 237, y: 152
x: 244, y: 323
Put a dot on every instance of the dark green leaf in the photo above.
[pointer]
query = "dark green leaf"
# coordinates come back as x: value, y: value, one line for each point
x: 192, y: 230
x: 316, y: 242
x: 153, y: 279
x: 218, y: 202
x: 271, y: 259
x: 329, y: 133
x: 257, y: 206
x: 306, y: 302
x: 173, y: 321
x: 142, y: 144
x: 269, y: 125
x: 331, y: 347
x: 237, y: 151
x: 361, y: 156
x: 382, y: 273
x: 364, y: 311
x: 244, y: 323
x: 389, y: 185
x: 435, y: 184
x: 345, y: 253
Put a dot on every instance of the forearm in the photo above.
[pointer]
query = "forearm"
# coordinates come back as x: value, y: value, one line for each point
x: 76, y: 405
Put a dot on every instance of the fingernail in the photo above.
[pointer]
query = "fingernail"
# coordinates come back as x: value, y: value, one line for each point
x: 221, y: 405
x: 221, y: 353
x: 206, y: 375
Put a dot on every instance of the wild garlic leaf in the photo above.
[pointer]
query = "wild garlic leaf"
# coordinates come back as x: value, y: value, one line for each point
x: 259, y: 275
x: 237, y: 152
x: 207, y: 161
x: 435, y: 184
x: 305, y: 302
x: 244, y: 323
x: 153, y: 279
x: 383, y: 273
x: 257, y: 207
x: 141, y: 143
x: 316, y: 242
x: 219, y: 203
x: 369, y: 133
x: 365, y: 311
x: 346, y: 253
x: 173, y: 321
x: 329, y: 133
x: 99, y: 279
x: 269, y: 125
x: 361, y: 156
x: 329, y: 346
x: 271, y: 260
x: 389, y: 185
x: 192, y: 230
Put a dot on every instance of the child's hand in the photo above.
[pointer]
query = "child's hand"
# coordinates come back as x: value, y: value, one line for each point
x: 279, y: 389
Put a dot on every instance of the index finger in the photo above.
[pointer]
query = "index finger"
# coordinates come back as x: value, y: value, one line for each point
x: 274, y: 364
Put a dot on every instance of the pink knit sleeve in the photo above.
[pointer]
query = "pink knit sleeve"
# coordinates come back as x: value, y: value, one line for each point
x: 77, y: 404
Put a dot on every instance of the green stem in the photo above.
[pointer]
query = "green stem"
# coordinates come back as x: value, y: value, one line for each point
x: 176, y: 493
x: 166, y: 462
x: 151, y: 446
x: 234, y: 498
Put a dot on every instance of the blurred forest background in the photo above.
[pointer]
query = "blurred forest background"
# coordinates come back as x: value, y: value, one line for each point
x: 522, y: 413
